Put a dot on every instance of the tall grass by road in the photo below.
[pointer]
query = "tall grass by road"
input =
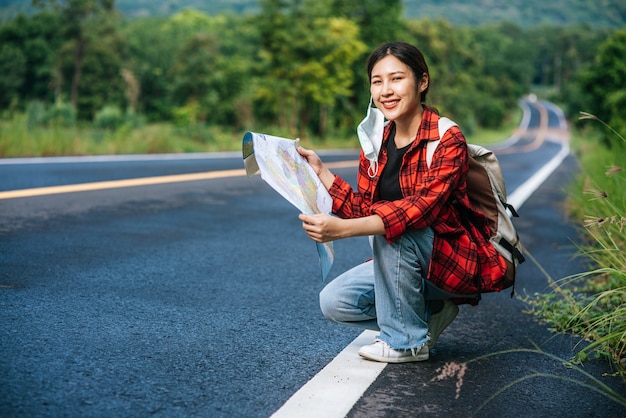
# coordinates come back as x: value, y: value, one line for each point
x: 18, y: 138
x: 592, y: 304
x: 57, y: 133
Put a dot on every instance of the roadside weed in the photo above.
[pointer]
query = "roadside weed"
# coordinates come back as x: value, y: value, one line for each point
x: 592, y: 303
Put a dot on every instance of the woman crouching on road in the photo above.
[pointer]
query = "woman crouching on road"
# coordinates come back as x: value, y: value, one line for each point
x: 424, y: 258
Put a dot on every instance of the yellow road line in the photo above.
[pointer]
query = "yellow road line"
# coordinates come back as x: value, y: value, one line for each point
x: 147, y: 181
x: 115, y: 184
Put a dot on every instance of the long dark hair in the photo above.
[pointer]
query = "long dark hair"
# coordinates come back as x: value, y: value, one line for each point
x: 405, y: 52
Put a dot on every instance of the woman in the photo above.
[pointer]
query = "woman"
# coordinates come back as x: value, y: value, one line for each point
x: 424, y: 252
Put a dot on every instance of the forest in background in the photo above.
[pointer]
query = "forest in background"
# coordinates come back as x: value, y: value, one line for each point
x: 526, y: 13
x: 294, y: 67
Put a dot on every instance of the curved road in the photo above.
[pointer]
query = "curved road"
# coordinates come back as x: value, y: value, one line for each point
x: 142, y: 292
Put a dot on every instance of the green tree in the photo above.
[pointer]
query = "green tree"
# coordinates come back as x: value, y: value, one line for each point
x: 13, y: 69
x: 29, y: 44
x: 195, y: 60
x: 477, y: 73
x: 200, y: 76
x: 379, y: 20
x: 504, y: 73
x: 191, y: 73
x: 326, y: 77
x: 560, y: 52
x: 454, y: 68
x: 83, y: 24
x: 151, y: 53
x: 604, y: 82
x: 307, y: 62
x: 101, y: 75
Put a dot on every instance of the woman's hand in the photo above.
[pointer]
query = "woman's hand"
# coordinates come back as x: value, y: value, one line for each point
x: 318, y: 166
x: 322, y: 227
x: 312, y: 158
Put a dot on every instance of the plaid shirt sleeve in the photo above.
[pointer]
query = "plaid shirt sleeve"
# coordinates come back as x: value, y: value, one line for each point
x: 350, y: 204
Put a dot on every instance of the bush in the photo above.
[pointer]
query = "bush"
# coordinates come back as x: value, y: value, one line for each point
x: 187, y: 115
x: 109, y: 117
x: 35, y: 114
x: 60, y: 114
x: 490, y: 112
x: 133, y: 120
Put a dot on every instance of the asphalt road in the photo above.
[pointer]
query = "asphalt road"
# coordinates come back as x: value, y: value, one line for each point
x: 194, y: 299
x: 200, y: 299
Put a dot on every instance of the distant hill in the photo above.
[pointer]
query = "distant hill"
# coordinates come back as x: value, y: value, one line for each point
x: 596, y: 13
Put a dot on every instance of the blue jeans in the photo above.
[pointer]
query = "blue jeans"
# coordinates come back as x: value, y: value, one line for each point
x: 388, y: 293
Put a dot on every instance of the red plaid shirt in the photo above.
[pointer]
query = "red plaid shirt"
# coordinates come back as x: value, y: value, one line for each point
x: 432, y: 197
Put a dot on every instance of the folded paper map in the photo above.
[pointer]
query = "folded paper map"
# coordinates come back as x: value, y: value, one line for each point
x: 284, y: 169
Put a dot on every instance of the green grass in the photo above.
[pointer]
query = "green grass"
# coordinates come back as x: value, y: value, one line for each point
x: 19, y: 138
x: 592, y: 304
x: 486, y: 137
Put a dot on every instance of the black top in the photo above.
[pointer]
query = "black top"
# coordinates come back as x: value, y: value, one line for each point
x: 389, y: 183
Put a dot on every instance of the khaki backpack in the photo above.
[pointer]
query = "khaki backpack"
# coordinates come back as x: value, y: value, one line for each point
x: 487, y: 193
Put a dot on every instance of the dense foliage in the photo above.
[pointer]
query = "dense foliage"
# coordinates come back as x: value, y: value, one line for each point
x: 605, y: 81
x: 526, y: 13
x: 294, y: 66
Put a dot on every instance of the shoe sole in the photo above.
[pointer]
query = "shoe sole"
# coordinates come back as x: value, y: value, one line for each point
x: 383, y: 359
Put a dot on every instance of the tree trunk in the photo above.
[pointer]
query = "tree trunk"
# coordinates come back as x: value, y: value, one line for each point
x: 292, y: 126
x: 78, y: 67
x: 282, y: 111
x: 323, y: 127
x: 305, y: 118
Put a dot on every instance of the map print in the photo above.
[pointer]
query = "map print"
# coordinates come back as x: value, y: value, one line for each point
x: 292, y: 177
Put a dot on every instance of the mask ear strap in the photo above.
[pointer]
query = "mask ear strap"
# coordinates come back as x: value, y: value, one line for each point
x: 373, y: 168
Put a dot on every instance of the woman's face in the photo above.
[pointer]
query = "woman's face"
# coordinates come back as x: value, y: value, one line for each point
x: 393, y: 89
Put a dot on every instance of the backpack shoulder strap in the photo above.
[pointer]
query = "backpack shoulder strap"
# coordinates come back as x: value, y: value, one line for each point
x: 444, y: 125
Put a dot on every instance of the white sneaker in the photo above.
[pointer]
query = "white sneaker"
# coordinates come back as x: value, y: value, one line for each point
x: 440, y: 321
x: 381, y: 351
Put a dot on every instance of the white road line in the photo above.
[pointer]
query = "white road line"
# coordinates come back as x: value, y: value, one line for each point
x: 337, y: 387
x: 145, y: 157
x: 524, y: 191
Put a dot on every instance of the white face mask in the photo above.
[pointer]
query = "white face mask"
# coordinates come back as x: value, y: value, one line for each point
x: 370, y: 133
